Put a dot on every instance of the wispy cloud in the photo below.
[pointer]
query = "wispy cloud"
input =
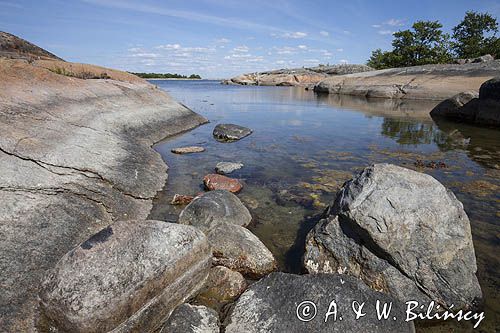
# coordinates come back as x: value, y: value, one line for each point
x: 241, y: 48
x: 385, y: 32
x: 232, y: 22
x: 324, y: 33
x: 292, y: 35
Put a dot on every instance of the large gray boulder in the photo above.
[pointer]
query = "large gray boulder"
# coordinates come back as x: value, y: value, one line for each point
x: 453, y: 107
x: 239, y: 249
x: 230, y: 132
x: 126, y: 278
x: 489, y: 107
x: 402, y: 232
x: 215, y: 207
x: 188, y: 318
x: 275, y: 303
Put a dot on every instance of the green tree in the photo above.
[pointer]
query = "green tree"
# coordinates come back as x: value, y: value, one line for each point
x: 424, y: 44
x: 476, y: 36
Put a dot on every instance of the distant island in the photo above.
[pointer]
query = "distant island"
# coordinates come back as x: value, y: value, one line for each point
x: 166, y: 76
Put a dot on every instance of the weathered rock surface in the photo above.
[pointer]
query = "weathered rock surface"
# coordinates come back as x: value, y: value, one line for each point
x: 482, y: 109
x: 188, y: 150
x: 75, y: 155
x: 453, y: 107
x: 239, y: 249
x: 213, y: 208
x: 297, y: 76
x: 17, y: 48
x: 401, y: 232
x: 433, y: 82
x: 127, y: 278
x: 219, y: 182
x: 272, y: 305
x: 223, y: 286
x: 225, y: 168
x: 188, y: 318
x: 180, y: 199
x: 230, y: 132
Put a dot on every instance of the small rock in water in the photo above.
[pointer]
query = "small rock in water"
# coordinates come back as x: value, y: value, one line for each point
x: 224, y: 168
x: 188, y: 150
x: 180, y: 199
x: 219, y: 182
x: 230, y: 132
x: 215, y: 207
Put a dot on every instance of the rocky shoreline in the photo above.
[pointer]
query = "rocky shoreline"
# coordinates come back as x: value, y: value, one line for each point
x: 78, y: 253
x: 428, y: 82
x: 295, y: 77
x: 75, y: 156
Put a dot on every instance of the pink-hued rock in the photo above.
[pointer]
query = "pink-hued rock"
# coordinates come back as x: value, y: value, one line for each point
x: 219, y: 182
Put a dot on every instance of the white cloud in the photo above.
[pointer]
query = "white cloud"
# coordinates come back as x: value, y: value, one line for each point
x: 223, y: 40
x: 340, y: 50
x: 376, y: 26
x: 293, y: 35
x: 343, y: 61
x: 145, y: 55
x: 324, y: 33
x: 302, y: 47
x: 385, y: 32
x: 168, y: 47
x: 395, y: 22
x: 241, y: 48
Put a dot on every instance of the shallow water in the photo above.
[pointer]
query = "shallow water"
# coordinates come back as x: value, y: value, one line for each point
x: 303, y: 148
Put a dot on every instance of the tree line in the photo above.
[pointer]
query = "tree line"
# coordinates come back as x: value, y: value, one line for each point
x: 426, y: 43
x: 166, y: 76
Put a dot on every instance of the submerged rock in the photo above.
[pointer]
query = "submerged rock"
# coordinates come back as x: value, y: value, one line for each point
x: 224, y: 168
x: 188, y: 318
x: 213, y: 208
x: 453, y: 107
x: 275, y: 304
x: 401, y: 232
x: 223, y: 286
x: 219, y: 182
x: 188, y: 150
x: 239, y: 249
x: 180, y: 199
x: 127, y: 277
x: 230, y: 132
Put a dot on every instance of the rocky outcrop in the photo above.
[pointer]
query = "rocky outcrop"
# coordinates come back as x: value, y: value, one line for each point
x: 297, y: 76
x: 222, y: 287
x: 213, y: 208
x: 275, y: 304
x: 480, y: 109
x: 240, y: 250
x: 453, y: 107
x: 189, y: 318
x: 17, y: 48
x: 402, y: 233
x: 75, y: 155
x: 230, y: 132
x: 126, y: 278
x: 432, y: 82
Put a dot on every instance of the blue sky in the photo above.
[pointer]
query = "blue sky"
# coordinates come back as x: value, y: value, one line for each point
x: 217, y: 38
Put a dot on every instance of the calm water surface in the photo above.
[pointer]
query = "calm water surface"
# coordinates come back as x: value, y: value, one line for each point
x: 304, y: 147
